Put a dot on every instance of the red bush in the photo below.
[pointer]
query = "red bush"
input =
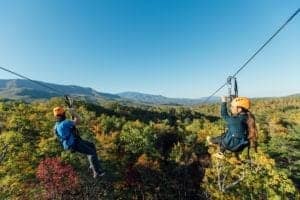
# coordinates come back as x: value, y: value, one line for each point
x: 56, y: 177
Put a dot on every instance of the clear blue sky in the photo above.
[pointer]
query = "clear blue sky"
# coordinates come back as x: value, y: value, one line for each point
x: 174, y: 48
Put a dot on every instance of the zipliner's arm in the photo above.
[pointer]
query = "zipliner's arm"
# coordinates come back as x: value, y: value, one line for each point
x: 77, y: 118
x: 224, y: 111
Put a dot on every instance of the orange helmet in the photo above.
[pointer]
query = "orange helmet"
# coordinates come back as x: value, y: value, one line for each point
x: 58, y: 111
x: 243, y: 102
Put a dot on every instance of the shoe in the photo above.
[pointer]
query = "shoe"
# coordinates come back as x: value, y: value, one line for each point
x: 101, y: 174
x: 208, y: 140
x: 219, y: 155
x: 96, y: 175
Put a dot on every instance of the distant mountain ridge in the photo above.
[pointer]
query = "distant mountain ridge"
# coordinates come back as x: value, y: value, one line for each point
x: 295, y: 95
x: 159, y: 99
x: 25, y: 90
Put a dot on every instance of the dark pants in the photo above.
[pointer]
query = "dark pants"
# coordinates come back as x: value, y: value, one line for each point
x: 88, y: 148
x: 218, y: 140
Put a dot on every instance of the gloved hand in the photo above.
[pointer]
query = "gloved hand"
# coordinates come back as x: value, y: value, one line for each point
x: 224, y: 98
x: 75, y: 116
x: 72, y: 111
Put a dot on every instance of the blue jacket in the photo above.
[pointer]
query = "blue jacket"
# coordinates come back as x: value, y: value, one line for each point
x: 236, y: 137
x: 65, y: 133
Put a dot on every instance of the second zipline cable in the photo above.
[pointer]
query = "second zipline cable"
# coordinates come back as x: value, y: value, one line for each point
x: 252, y: 57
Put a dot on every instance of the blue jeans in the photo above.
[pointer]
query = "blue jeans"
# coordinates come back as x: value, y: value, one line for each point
x: 88, y: 148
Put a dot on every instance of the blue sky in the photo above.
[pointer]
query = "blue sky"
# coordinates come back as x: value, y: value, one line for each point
x: 174, y: 48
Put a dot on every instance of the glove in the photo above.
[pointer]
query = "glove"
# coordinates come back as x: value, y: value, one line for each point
x: 224, y: 99
x: 72, y: 111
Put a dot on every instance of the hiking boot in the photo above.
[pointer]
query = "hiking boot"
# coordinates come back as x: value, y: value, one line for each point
x: 100, y: 174
x: 219, y: 155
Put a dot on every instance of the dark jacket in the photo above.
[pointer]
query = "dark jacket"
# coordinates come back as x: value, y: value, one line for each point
x: 236, y: 137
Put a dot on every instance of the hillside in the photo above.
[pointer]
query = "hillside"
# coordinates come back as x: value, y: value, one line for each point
x: 28, y: 91
x: 159, y: 99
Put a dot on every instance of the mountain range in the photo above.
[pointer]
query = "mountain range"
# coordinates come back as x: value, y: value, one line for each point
x: 20, y: 89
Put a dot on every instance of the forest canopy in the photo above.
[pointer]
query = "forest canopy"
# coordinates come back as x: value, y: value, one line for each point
x: 148, y: 152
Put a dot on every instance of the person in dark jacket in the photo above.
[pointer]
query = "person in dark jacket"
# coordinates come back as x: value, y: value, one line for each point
x: 241, y: 127
x: 66, y: 132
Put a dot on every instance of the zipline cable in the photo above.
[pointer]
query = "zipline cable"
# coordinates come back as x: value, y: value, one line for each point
x: 33, y: 81
x: 252, y: 57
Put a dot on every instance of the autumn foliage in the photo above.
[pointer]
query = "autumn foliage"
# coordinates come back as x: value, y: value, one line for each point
x: 56, y: 177
x: 148, y: 152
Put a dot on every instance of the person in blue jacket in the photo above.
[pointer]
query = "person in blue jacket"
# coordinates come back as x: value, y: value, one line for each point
x: 241, y: 128
x: 67, y: 134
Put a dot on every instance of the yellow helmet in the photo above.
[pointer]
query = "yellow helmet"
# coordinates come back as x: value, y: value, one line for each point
x: 57, y: 111
x: 243, y: 102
